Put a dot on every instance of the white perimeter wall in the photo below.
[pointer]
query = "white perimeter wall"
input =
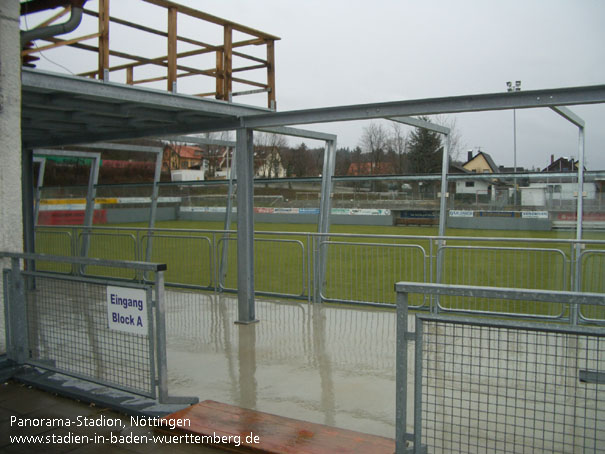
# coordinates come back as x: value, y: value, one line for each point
x: 11, y: 231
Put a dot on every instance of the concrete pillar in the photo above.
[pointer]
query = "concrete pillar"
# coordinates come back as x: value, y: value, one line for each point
x: 11, y: 230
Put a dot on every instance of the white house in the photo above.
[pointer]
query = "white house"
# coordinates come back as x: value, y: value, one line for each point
x: 481, y: 163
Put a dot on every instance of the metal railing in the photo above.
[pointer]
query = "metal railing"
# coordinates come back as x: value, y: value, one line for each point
x: 105, y: 330
x: 359, y: 269
x: 486, y: 385
x: 222, y: 63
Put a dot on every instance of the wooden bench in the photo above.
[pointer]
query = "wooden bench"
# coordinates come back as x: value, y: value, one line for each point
x: 275, y: 434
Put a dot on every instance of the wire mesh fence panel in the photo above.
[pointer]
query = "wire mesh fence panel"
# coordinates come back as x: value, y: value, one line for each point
x: 53, y: 242
x: 68, y: 332
x: 366, y: 272
x: 279, y: 266
x: 592, y: 280
x: 500, y: 389
x: 109, y: 246
x: 190, y: 259
x: 510, y: 267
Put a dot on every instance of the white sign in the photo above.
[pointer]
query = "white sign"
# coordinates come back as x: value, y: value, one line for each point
x: 535, y: 214
x: 127, y: 310
x: 462, y: 213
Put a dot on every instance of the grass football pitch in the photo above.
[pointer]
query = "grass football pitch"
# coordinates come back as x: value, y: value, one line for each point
x: 359, y: 268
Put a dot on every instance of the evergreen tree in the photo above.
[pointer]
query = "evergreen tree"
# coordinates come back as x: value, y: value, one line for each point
x: 424, y: 151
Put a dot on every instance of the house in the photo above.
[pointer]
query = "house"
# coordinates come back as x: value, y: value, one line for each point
x: 561, y: 165
x: 178, y: 157
x: 480, y: 163
x: 268, y: 163
x: 556, y: 191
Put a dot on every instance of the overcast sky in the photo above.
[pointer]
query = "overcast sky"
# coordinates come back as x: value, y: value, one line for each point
x: 341, y: 52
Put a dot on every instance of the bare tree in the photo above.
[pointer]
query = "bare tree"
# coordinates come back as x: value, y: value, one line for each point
x: 456, y: 144
x: 374, y: 140
x: 216, y: 156
x: 267, y: 153
x: 397, y: 148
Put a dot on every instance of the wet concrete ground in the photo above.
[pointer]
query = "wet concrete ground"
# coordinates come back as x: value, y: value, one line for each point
x: 319, y: 363
x: 487, y: 389
x: 336, y: 366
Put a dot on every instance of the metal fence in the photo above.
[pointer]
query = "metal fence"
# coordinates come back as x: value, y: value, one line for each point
x: 357, y: 268
x: 501, y: 266
x: 487, y: 385
x: 360, y: 272
x: 68, y: 332
x: 491, y: 388
x: 109, y: 331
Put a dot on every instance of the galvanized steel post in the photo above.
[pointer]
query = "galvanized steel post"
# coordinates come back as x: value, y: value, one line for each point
x: 42, y: 166
x: 17, y: 315
x: 401, y: 373
x: 154, y: 203
x: 444, y: 193
x: 160, y: 331
x: 574, y: 309
x: 418, y: 386
x: 27, y: 191
x: 227, y: 224
x: 325, y: 209
x: 90, y: 202
x: 244, y: 157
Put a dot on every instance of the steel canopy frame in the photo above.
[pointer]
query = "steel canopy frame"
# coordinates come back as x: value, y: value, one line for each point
x: 416, y: 122
x: 243, y: 165
x: 93, y: 180
x: 59, y: 110
x: 419, y: 123
x: 246, y: 308
x: 594, y: 94
x: 90, y: 193
x: 150, y: 113
x: 156, y: 180
x: 555, y: 98
x: 579, y: 122
x: 562, y: 111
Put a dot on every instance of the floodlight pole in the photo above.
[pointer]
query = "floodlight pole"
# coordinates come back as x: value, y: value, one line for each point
x: 512, y: 88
